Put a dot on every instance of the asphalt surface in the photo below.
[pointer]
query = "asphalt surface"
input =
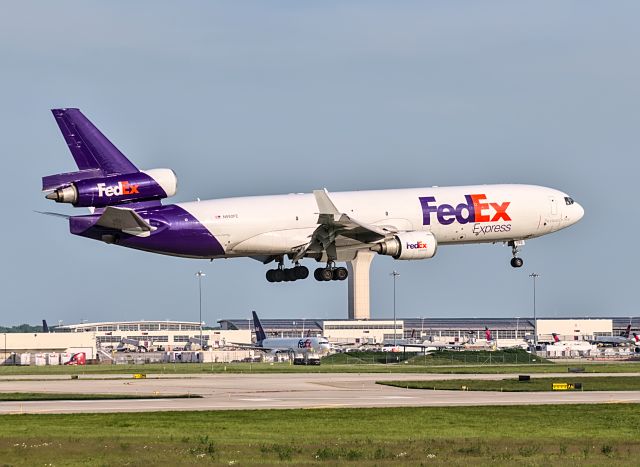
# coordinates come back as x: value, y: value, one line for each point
x: 280, y: 391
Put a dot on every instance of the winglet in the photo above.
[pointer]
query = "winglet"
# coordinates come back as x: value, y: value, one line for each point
x: 325, y: 205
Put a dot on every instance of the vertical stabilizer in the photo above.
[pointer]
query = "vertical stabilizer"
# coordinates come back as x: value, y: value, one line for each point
x: 89, y: 147
x: 260, y: 334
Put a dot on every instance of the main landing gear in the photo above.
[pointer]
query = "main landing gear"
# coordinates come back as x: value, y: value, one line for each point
x: 283, y: 274
x: 516, y: 262
x: 331, y: 273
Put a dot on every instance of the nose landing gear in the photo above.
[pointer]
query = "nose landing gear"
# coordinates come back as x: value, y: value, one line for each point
x: 516, y: 262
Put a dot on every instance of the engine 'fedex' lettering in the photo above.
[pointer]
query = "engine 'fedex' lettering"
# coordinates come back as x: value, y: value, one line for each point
x: 122, y: 188
x: 476, y: 209
x: 416, y: 246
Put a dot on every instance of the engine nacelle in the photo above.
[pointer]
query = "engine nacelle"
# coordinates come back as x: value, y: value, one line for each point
x: 409, y: 245
x: 149, y: 185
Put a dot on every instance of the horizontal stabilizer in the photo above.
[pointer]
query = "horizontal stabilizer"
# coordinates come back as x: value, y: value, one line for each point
x: 125, y: 220
x: 55, y: 214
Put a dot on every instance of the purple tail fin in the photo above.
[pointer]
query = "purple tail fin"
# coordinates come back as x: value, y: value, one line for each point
x: 260, y: 334
x: 94, y: 154
x: 90, y: 148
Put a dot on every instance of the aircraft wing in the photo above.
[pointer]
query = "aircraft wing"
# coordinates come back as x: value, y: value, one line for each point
x: 336, y: 229
x: 125, y: 220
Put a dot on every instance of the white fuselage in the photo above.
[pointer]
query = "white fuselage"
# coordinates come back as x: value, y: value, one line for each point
x: 271, y: 225
x: 304, y: 345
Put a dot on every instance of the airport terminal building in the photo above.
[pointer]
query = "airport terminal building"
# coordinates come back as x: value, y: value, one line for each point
x: 102, y: 340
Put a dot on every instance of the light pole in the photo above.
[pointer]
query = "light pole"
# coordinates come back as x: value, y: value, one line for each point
x: 535, y: 322
x: 200, y: 275
x: 5, y: 349
x: 395, y: 275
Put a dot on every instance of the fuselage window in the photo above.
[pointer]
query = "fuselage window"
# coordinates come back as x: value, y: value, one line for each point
x: 568, y: 201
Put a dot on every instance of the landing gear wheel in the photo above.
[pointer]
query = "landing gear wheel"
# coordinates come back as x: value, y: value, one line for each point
x: 291, y: 274
x: 278, y: 275
x: 317, y: 274
x: 326, y: 274
x: 270, y: 275
x: 516, y: 262
x: 301, y: 272
x: 340, y: 274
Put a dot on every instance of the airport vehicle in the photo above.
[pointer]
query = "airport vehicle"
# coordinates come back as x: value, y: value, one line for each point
x: 79, y: 358
x: 305, y: 346
x: 407, y: 224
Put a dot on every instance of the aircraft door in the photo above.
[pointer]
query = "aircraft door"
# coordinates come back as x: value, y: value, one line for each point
x: 554, y: 214
x: 554, y: 206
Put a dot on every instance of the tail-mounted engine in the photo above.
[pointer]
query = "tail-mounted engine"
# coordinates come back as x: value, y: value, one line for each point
x: 409, y: 245
x: 154, y: 184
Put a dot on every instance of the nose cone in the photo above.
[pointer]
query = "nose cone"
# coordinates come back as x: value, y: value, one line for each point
x: 578, y: 212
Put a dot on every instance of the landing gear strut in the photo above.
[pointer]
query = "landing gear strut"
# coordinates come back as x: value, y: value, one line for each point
x: 330, y: 273
x: 282, y: 274
x: 516, y: 262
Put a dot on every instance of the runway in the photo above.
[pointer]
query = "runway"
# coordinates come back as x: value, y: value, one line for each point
x: 280, y: 391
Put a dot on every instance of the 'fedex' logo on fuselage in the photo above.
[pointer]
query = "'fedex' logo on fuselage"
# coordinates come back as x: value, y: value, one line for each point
x: 476, y: 209
x: 304, y: 344
x: 122, y: 188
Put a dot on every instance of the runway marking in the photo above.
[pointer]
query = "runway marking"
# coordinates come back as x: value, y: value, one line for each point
x: 257, y: 399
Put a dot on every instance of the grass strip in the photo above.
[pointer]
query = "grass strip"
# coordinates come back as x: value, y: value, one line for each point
x: 606, y: 434
x: 592, y: 383
x: 326, y: 367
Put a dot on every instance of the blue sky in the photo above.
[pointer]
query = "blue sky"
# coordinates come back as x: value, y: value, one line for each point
x: 250, y: 98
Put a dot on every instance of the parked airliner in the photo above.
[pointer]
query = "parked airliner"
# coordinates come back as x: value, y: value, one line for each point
x: 406, y: 224
x: 303, y: 345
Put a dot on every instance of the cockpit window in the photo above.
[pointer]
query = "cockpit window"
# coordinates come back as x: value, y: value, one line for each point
x: 568, y: 201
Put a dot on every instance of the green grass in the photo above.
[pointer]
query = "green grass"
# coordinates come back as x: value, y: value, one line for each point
x: 467, y: 362
x: 607, y: 434
x: 441, y: 357
x: 59, y: 396
x: 592, y: 383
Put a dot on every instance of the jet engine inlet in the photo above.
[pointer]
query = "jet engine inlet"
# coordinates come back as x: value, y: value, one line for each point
x: 408, y: 246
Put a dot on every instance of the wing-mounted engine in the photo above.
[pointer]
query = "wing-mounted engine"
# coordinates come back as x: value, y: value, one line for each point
x: 409, y: 246
x: 154, y: 184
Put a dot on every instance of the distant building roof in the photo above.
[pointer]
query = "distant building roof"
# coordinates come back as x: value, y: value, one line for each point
x: 466, y: 324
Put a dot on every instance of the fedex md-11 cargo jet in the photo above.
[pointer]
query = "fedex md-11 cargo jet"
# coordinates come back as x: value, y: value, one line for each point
x: 407, y: 224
